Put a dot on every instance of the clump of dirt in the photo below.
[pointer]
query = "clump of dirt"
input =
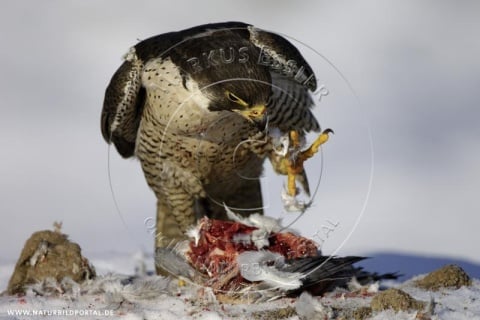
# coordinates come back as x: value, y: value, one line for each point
x: 281, y: 313
x: 446, y: 277
x: 49, y: 254
x: 395, y: 299
x: 362, y: 313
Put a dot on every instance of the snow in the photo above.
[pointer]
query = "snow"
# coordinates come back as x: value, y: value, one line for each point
x: 141, y: 295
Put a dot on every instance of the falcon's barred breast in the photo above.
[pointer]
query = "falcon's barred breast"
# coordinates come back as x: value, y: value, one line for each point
x: 194, y: 107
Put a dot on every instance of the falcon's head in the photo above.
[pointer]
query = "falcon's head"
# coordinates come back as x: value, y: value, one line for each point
x: 246, y: 91
x: 226, y: 70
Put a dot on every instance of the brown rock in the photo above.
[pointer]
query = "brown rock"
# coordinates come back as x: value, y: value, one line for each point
x: 446, y: 277
x: 395, y: 299
x: 359, y: 313
x: 49, y: 254
x: 362, y: 313
x: 281, y: 313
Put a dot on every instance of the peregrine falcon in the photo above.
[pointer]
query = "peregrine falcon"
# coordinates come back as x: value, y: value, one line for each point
x: 195, y: 107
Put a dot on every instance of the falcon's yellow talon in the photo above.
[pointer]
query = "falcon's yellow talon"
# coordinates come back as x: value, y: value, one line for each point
x: 291, y: 164
x: 291, y: 184
x: 294, y: 138
x: 310, y: 152
x: 292, y: 168
x: 181, y: 283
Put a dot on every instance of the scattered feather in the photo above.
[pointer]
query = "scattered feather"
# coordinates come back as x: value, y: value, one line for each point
x: 309, y: 308
x: 254, y: 266
x: 292, y: 203
x: 39, y: 254
x: 259, y: 221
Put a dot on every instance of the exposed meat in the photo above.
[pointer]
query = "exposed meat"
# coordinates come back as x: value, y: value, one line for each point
x: 292, y: 246
x: 220, y: 242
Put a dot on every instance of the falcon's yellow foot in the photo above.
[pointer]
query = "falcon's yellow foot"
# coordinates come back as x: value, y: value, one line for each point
x: 295, y: 167
x: 291, y: 184
x: 310, y: 152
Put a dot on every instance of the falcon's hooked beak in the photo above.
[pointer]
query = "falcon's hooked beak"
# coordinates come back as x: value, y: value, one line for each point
x: 255, y: 114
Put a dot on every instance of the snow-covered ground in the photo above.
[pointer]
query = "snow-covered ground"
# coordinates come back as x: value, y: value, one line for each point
x: 413, y: 64
x: 117, y: 293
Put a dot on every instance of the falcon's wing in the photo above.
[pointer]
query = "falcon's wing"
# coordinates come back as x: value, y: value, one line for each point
x: 292, y: 79
x: 125, y: 96
x: 123, y: 106
x: 290, y: 106
x: 282, y: 57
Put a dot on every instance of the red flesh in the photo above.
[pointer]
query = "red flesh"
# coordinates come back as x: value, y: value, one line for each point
x: 216, y: 251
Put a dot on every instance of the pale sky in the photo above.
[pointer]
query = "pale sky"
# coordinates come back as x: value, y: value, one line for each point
x: 413, y: 66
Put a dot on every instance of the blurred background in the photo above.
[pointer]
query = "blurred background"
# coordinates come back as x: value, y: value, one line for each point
x: 401, y: 176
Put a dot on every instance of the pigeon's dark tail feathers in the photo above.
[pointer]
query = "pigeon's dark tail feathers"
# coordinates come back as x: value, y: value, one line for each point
x: 323, y: 273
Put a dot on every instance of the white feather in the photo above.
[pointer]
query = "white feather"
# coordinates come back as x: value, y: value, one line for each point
x: 39, y: 254
x: 131, y: 55
x: 194, y: 232
x: 253, y: 267
x: 231, y: 215
x: 242, y: 238
x: 280, y: 141
x: 260, y: 238
x: 309, y: 308
x: 292, y: 204
x: 257, y: 220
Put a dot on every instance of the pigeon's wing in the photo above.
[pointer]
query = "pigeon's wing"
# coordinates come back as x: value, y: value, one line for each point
x: 170, y: 260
